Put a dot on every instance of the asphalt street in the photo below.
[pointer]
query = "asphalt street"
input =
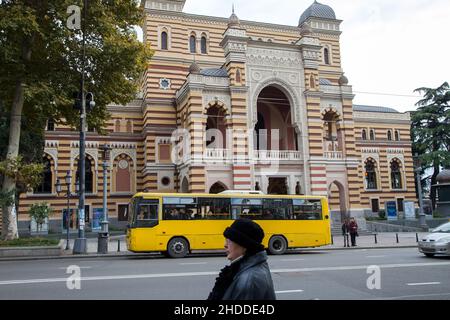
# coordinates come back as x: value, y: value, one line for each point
x: 357, y: 274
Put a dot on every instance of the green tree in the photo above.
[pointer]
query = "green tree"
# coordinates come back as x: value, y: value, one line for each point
x: 40, y: 66
x: 40, y: 212
x: 431, y: 131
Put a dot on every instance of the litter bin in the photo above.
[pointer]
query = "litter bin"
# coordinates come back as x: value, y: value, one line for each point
x: 102, y: 242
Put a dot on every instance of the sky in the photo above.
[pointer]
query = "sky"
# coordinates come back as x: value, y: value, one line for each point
x: 388, y: 48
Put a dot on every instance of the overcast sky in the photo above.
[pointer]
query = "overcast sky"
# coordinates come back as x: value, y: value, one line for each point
x: 389, y: 48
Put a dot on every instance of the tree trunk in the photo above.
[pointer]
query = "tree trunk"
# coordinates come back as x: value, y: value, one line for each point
x: 9, y: 226
x: 434, y: 182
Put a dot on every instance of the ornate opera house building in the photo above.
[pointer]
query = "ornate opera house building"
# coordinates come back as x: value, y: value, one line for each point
x: 228, y: 104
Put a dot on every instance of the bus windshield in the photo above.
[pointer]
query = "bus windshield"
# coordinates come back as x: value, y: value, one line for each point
x: 144, y: 213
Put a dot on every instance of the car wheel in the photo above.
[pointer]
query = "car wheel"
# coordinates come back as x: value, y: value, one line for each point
x: 277, y: 245
x: 429, y: 255
x: 178, y: 248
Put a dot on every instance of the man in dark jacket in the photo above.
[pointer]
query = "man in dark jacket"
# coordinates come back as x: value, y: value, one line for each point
x: 248, y: 276
x: 353, y: 229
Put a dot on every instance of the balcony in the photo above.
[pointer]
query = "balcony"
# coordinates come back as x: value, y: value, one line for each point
x: 258, y: 156
x: 334, y: 155
x: 276, y: 155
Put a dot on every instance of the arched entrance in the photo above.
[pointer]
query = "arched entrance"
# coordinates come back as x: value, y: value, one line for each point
x: 217, y: 187
x: 274, y: 113
x: 277, y: 186
x: 338, y: 201
x: 216, y: 128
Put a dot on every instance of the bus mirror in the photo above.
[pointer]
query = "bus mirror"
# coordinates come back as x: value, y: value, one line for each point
x: 327, y: 217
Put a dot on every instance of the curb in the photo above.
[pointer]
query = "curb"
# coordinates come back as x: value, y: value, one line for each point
x: 154, y: 255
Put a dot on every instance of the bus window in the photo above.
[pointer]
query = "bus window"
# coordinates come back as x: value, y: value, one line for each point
x: 214, y: 208
x: 277, y: 209
x: 175, y: 208
x: 145, y: 213
x: 247, y: 208
x: 307, y: 209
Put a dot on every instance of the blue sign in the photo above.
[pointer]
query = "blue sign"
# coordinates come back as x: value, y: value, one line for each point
x: 97, y: 217
x: 391, y: 210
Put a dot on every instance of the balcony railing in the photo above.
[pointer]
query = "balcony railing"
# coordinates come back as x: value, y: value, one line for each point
x: 280, y: 155
x: 334, y: 155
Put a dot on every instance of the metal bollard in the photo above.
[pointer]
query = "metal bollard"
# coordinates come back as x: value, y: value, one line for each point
x: 118, y: 245
x: 332, y: 240
x: 376, y: 240
x: 417, y: 237
x: 396, y: 236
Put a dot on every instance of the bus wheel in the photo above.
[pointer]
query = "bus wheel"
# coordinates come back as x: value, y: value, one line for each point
x: 277, y: 245
x: 178, y: 248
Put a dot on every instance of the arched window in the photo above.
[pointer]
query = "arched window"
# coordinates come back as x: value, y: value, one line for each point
x: 397, y: 135
x: 326, y: 56
x: 371, y: 174
x: 312, y: 82
x: 89, y: 176
x: 164, y: 41
x: 389, y: 135
x: 364, y: 134
x: 129, y: 126
x: 396, y: 174
x: 117, y: 126
x: 192, y: 44
x: 372, y: 134
x: 47, y: 178
x: 123, y: 175
x: 203, y: 45
x: 238, y: 75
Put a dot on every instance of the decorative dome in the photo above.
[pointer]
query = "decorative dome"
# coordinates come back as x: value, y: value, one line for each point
x: 194, y: 68
x: 443, y: 177
x: 343, y: 81
x: 317, y: 10
x: 234, y: 21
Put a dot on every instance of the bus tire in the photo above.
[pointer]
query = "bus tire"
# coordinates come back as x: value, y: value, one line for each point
x: 178, y: 248
x: 277, y: 245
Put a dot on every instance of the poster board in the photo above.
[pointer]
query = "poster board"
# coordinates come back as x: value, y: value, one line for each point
x: 73, y: 221
x: 391, y: 210
x: 410, y: 210
x: 97, y: 218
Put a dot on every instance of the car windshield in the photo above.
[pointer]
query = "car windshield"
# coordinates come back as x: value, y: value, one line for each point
x: 445, y: 228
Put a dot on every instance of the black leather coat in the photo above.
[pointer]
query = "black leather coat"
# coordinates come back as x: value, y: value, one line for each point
x: 253, y: 280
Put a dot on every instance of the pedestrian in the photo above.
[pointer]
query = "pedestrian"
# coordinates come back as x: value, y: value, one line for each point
x: 247, y: 277
x: 353, y: 229
x: 345, y: 232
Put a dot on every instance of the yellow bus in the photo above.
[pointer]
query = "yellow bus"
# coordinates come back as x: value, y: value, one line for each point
x: 178, y: 224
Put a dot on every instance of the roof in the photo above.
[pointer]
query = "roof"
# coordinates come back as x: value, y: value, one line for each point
x: 317, y: 10
x: 221, y: 73
x: 373, y: 109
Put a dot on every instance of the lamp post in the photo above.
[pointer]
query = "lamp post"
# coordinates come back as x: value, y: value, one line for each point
x: 58, y: 186
x: 103, y: 235
x: 80, y: 246
x: 422, y: 220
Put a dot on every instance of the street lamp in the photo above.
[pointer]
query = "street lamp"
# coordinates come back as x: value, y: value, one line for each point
x: 103, y: 235
x: 417, y: 169
x: 58, y: 186
x: 80, y: 245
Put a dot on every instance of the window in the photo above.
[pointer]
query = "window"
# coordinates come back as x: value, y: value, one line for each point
x: 396, y: 175
x: 375, y: 205
x: 46, y: 186
x: 371, y: 175
x: 372, y: 134
x: 389, y: 135
x: 165, y: 181
x: 214, y: 208
x: 164, y: 153
x: 164, y: 41
x: 326, y: 56
x: 192, y: 44
x: 364, y: 134
x: 400, y: 207
x: 89, y: 176
x: 238, y: 75
x: 50, y: 125
x: 123, y: 212
x: 180, y: 208
x: 247, y: 208
x: 117, y: 126
x: 129, y: 126
x: 277, y: 209
x: 312, y: 82
x: 307, y: 209
x: 204, y: 45
x: 145, y: 213
x: 397, y: 135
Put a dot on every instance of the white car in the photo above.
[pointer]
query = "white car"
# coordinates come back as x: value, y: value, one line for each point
x: 437, y: 242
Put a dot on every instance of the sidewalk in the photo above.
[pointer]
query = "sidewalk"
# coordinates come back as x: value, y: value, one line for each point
x: 117, y: 246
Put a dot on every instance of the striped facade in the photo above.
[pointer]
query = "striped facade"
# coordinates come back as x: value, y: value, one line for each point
x: 248, y: 81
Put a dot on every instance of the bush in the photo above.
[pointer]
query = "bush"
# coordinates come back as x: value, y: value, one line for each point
x: 29, y: 242
x: 382, y: 214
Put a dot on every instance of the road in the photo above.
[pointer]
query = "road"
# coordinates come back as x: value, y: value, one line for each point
x: 404, y: 274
